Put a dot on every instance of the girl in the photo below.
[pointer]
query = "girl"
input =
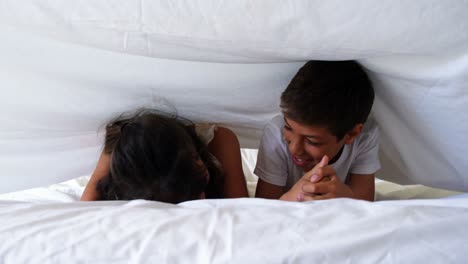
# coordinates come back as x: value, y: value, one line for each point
x: 154, y: 156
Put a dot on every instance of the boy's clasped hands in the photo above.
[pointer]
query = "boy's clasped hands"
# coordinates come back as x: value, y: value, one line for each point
x: 319, y: 183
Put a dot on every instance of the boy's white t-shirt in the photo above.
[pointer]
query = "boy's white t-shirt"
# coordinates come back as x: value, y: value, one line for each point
x: 275, y: 164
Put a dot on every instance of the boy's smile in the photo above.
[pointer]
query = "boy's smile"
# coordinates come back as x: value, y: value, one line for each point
x: 308, y: 144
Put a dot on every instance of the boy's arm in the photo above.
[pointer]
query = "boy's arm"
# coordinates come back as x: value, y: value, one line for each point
x: 322, y: 183
x: 226, y: 148
x: 102, y: 169
x: 358, y: 186
x: 271, y: 166
x: 268, y: 190
x: 362, y: 186
x: 362, y: 172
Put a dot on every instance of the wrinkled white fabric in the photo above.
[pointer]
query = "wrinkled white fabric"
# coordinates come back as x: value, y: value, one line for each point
x: 235, y: 231
x: 47, y: 225
x: 68, y: 67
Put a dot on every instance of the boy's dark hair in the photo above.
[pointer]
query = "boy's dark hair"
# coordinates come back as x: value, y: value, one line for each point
x: 335, y: 94
x: 154, y: 157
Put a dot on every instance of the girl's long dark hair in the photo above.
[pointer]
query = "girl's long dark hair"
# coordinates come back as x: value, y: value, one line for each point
x: 156, y: 156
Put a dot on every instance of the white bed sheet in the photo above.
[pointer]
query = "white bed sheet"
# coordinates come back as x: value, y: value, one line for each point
x: 235, y: 231
x: 48, y: 225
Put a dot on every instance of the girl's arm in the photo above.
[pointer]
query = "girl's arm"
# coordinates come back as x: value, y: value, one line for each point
x: 102, y: 169
x: 226, y: 148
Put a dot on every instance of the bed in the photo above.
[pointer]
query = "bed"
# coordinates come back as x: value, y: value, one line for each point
x: 406, y: 224
x: 67, y: 68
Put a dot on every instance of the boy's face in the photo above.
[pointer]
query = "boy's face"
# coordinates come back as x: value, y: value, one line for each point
x: 308, y: 144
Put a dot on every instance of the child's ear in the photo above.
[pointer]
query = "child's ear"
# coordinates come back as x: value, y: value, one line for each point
x: 353, y: 133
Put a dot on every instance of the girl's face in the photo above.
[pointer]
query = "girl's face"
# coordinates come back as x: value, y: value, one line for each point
x: 308, y: 144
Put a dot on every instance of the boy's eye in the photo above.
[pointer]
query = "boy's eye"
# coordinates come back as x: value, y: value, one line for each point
x: 287, y: 127
x: 312, y: 143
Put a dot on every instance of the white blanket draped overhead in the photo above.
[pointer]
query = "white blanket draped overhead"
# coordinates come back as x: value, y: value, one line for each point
x: 66, y: 68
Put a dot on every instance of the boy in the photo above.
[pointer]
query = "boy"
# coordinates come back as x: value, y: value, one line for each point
x: 320, y: 148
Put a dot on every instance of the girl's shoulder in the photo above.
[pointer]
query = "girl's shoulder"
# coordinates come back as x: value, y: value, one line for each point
x: 216, y: 137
